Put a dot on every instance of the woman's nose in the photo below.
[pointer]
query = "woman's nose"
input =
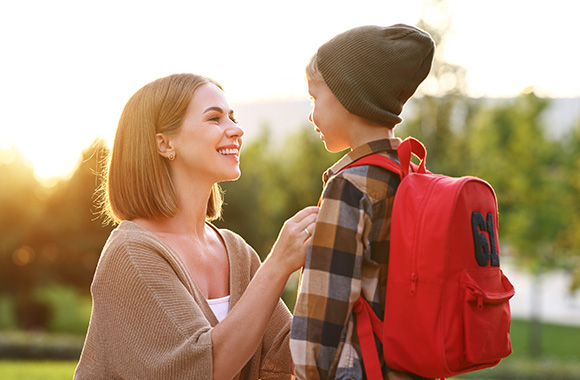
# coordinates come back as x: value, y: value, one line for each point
x: 234, y: 130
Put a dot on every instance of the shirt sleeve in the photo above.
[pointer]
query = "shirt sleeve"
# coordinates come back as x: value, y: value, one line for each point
x: 331, y: 281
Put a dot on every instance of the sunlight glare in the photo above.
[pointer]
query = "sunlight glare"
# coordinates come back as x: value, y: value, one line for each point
x: 68, y: 77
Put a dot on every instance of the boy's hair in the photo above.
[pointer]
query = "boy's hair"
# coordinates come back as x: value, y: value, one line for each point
x: 312, y: 72
x: 374, y: 70
x: 138, y: 183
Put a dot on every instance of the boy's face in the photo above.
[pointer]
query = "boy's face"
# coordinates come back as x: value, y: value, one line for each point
x: 331, y: 119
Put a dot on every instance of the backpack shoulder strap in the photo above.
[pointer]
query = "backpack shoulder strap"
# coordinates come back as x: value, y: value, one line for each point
x: 377, y: 160
x: 410, y: 146
x: 387, y: 163
x: 368, y: 325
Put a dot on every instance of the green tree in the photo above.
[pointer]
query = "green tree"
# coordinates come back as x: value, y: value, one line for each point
x: 49, y: 236
x: 509, y: 148
x: 73, y: 241
x: 21, y: 200
x: 304, y: 159
x: 568, y: 241
x: 440, y: 107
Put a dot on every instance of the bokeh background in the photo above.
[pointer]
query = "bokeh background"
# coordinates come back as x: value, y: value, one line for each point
x: 502, y: 103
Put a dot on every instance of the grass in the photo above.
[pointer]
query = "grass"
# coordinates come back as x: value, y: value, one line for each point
x: 528, y: 369
x: 558, y: 341
x: 37, y: 370
x: 559, y: 359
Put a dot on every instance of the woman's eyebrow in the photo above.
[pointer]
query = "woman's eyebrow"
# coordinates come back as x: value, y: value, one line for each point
x: 214, y: 108
x: 218, y: 109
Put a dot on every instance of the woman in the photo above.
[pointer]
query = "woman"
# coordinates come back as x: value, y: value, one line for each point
x: 166, y: 277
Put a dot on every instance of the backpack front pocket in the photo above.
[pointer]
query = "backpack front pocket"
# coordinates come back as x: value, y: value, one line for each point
x: 486, y: 315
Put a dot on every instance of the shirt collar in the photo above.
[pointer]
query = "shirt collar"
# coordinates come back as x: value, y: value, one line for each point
x: 388, y: 146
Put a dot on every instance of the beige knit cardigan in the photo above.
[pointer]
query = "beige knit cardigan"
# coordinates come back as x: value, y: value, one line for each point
x: 150, y: 320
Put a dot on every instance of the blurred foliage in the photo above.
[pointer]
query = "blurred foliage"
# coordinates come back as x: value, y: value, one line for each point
x: 48, y: 236
x: 36, y: 345
x: 527, y: 170
x: 69, y: 311
x: 567, y: 243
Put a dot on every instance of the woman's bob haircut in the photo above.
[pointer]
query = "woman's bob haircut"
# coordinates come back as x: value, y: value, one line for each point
x: 137, y: 182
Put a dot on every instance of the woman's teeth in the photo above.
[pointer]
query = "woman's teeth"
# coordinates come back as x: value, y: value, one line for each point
x: 228, y: 151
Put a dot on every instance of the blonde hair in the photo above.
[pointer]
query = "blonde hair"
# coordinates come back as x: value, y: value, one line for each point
x: 137, y: 182
x: 312, y: 72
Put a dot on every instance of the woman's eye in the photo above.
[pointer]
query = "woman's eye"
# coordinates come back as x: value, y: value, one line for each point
x: 214, y: 118
x: 233, y: 119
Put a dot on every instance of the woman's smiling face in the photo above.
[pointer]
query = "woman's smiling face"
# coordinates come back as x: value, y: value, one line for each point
x: 209, y: 141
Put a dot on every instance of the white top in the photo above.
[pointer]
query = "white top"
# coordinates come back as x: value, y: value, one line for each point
x: 220, y: 307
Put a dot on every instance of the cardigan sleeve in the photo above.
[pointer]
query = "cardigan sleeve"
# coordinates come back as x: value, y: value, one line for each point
x: 274, y: 353
x: 277, y: 362
x: 144, y: 324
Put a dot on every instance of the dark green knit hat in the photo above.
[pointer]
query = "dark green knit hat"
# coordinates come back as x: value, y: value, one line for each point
x: 374, y: 70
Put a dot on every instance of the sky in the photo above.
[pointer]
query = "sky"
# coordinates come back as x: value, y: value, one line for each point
x: 67, y: 67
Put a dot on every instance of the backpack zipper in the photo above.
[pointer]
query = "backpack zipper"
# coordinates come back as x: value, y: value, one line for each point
x: 415, y: 254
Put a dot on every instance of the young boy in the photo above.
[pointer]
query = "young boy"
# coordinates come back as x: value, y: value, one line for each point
x: 359, y: 82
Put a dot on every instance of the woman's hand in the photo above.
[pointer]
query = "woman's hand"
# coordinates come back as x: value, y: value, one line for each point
x: 289, y: 250
x: 236, y: 338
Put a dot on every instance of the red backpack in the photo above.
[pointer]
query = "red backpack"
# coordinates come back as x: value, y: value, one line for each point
x: 447, y: 303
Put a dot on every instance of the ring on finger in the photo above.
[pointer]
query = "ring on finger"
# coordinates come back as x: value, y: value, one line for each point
x: 307, y: 232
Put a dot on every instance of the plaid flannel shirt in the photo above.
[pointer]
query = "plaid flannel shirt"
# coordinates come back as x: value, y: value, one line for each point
x: 348, y: 257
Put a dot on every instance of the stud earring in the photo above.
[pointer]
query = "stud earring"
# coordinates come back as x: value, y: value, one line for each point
x: 171, y: 156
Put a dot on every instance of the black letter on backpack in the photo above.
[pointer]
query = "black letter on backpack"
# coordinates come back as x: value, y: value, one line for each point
x: 479, y: 240
x: 492, y: 242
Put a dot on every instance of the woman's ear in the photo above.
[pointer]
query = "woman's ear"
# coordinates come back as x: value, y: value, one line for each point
x: 164, y: 146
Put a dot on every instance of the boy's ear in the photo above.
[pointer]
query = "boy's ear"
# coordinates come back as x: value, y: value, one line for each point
x: 164, y: 146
